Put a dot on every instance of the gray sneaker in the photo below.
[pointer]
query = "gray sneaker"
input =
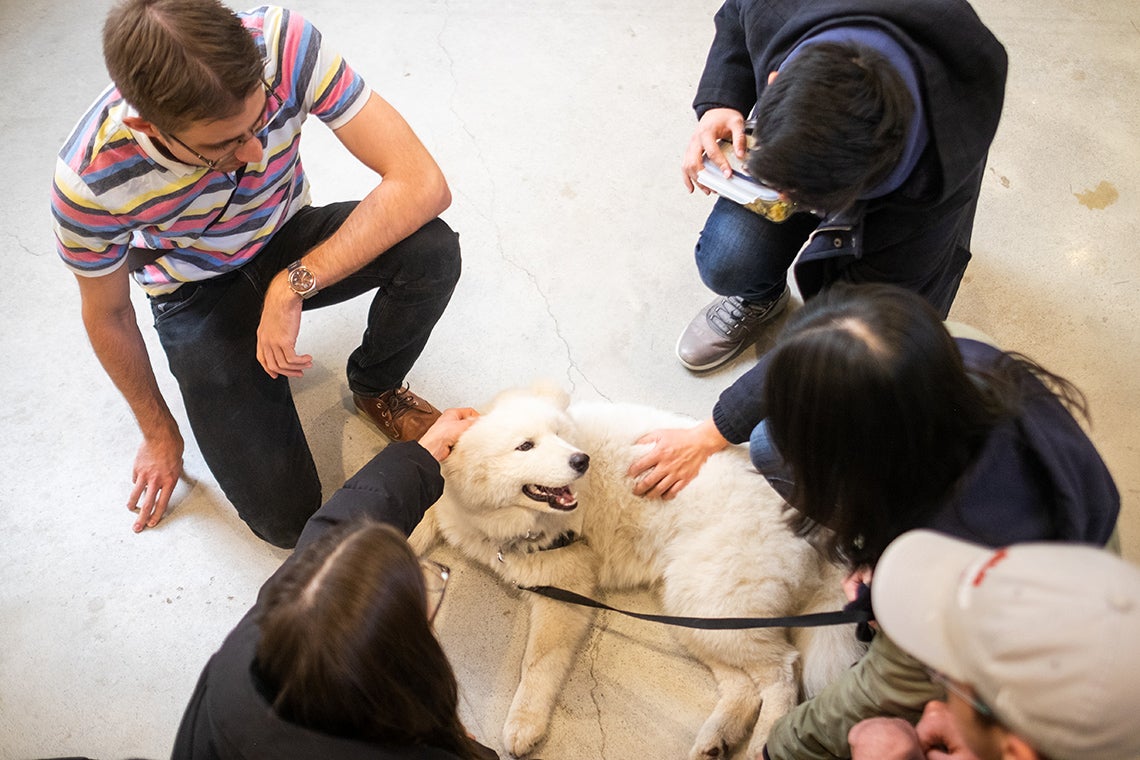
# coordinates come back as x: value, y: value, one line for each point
x: 724, y: 328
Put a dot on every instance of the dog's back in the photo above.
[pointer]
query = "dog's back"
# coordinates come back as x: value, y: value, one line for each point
x: 722, y: 546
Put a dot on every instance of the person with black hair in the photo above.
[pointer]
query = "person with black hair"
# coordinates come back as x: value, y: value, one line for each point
x: 337, y: 659
x: 872, y: 419
x: 874, y: 118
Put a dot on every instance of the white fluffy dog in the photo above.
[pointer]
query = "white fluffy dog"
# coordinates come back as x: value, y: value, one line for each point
x: 539, y: 492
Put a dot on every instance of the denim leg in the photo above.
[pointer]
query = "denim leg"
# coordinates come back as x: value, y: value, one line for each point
x: 740, y: 253
x: 767, y: 460
x: 244, y: 421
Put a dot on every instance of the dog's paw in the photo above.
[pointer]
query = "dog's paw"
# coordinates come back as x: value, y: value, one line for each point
x: 709, y: 751
x: 522, y: 732
x: 756, y: 746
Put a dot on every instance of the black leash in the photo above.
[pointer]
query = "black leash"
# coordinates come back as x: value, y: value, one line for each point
x: 847, y: 615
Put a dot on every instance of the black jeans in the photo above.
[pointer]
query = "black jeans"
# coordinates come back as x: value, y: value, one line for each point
x: 244, y: 421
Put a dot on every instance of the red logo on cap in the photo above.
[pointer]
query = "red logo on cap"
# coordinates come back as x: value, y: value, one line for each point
x: 997, y: 557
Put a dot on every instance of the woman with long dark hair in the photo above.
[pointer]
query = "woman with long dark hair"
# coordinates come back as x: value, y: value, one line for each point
x: 337, y: 659
x: 871, y: 419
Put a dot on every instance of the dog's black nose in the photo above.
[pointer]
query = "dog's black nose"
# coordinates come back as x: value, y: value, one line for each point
x: 580, y: 462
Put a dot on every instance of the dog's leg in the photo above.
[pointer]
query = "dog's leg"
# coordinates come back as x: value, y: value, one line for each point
x: 779, y: 695
x: 734, y: 713
x: 557, y: 631
x: 827, y: 652
x: 556, y: 635
x: 426, y: 534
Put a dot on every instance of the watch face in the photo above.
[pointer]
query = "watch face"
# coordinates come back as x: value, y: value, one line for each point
x: 301, y: 280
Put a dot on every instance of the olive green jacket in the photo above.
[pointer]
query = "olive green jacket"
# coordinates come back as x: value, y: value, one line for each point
x: 887, y: 681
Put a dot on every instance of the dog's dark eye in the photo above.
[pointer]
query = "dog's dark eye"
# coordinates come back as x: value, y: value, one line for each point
x: 525, y: 446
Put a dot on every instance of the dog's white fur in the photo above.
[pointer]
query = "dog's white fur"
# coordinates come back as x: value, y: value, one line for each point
x: 719, y: 549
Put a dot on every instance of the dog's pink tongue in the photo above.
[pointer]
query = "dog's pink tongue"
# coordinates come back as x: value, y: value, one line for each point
x: 566, y: 497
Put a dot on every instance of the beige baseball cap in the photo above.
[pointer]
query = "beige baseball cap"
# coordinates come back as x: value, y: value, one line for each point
x: 1047, y: 634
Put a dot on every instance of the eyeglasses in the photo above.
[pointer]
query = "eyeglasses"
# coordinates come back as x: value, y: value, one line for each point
x: 952, y: 686
x: 272, y: 106
x: 435, y: 583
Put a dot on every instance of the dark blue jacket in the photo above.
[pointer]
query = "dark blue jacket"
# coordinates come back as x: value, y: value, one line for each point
x: 917, y: 236
x: 1037, y: 477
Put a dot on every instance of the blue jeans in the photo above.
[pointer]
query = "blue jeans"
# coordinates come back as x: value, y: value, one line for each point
x: 244, y: 421
x: 767, y: 460
x: 923, y: 247
x: 740, y: 253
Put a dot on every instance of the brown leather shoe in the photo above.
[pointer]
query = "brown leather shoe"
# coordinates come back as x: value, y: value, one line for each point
x: 400, y: 414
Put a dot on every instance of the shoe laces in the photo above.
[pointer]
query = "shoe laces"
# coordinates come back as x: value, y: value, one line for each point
x: 733, y: 315
x: 399, y: 400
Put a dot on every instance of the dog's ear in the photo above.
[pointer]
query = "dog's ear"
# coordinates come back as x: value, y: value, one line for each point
x: 543, y: 389
x: 548, y: 389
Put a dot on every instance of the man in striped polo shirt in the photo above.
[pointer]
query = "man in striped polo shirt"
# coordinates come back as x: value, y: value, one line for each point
x: 185, y: 175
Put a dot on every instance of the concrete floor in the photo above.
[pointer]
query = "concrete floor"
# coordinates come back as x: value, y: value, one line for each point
x: 560, y: 127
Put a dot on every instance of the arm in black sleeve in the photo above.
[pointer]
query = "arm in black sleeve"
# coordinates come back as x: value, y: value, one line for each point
x: 741, y: 405
x: 727, y: 81
x: 396, y: 487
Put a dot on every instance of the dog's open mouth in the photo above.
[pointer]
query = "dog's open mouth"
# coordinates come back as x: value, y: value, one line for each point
x: 558, y: 498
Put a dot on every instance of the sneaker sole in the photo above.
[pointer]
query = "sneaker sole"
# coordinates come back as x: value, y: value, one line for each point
x: 711, y: 365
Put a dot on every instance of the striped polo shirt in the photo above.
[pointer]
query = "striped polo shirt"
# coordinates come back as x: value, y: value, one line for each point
x: 114, y: 190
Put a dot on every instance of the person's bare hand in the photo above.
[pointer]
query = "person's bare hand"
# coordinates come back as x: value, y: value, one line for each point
x: 860, y: 576
x: 444, y: 432
x: 278, y: 330
x: 884, y: 739
x: 158, y: 465
x: 940, y: 735
x: 716, y: 124
x: 675, y: 459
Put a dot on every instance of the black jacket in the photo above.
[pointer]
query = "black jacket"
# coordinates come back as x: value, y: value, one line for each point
x: 917, y: 236
x: 228, y: 717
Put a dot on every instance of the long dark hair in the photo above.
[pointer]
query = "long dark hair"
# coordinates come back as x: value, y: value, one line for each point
x: 347, y: 648
x: 872, y: 408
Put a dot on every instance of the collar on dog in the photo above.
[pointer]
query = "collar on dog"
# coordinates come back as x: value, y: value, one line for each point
x: 530, y: 543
